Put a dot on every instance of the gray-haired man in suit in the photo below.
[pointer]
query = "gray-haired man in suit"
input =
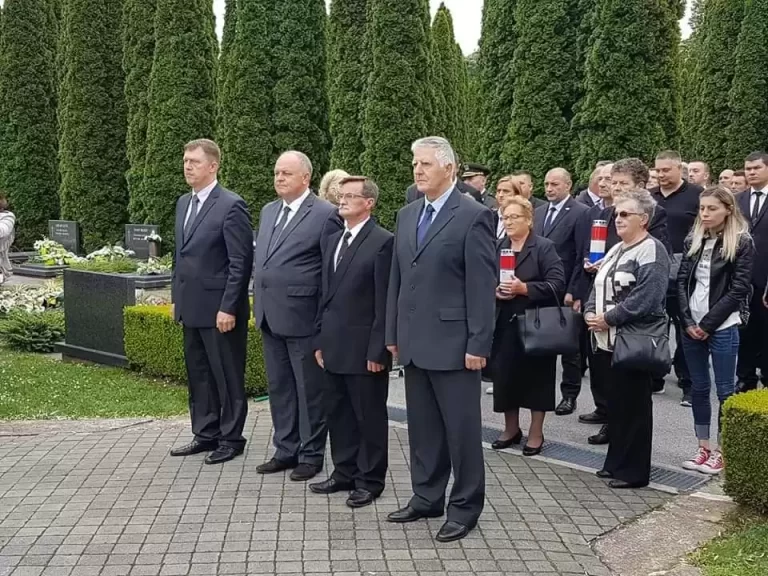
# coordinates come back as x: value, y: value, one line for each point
x: 293, y: 231
x: 440, y: 320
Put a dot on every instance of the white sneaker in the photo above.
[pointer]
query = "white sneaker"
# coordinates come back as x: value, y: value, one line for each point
x: 489, y: 390
x: 714, y: 465
x: 702, y: 456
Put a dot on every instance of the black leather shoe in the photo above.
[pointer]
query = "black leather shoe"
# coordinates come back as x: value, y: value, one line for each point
x: 593, y: 418
x: 452, y: 531
x: 530, y: 451
x: 622, y: 485
x: 360, y: 498
x: 274, y: 466
x: 223, y: 454
x: 194, y: 447
x: 331, y: 486
x: 604, y: 474
x: 304, y: 472
x: 566, y: 406
x: 502, y: 444
x: 408, y: 514
x: 599, y: 438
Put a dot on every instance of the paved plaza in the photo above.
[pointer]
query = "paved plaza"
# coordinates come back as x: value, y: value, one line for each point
x: 106, y: 499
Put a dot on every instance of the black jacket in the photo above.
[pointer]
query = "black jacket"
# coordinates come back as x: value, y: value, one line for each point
x: 730, y: 283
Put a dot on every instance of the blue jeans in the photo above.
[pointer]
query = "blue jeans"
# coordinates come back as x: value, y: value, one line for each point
x: 723, y: 346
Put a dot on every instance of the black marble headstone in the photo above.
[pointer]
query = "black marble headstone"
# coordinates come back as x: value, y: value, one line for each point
x: 94, y: 316
x: 66, y: 233
x: 136, y: 238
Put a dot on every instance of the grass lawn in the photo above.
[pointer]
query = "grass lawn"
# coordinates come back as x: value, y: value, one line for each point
x: 741, y: 551
x: 38, y: 387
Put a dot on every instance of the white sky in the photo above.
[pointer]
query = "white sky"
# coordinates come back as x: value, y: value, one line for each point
x: 467, y: 17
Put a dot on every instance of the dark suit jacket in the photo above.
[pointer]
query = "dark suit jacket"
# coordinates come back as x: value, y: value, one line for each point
x: 759, y: 231
x: 353, y: 309
x: 565, y: 234
x: 585, y: 198
x: 412, y: 193
x: 536, y: 202
x: 286, y: 281
x: 440, y: 304
x: 212, y: 266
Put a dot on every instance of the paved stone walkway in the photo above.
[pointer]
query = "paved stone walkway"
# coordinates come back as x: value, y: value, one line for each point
x: 84, y: 501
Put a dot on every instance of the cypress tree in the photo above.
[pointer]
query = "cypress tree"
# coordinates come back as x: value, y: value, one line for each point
x: 688, y: 81
x: 246, y: 96
x: 181, y: 102
x: 396, y: 90
x: 545, y: 70
x: 445, y: 77
x: 223, y: 68
x: 92, y: 116
x: 667, y: 63
x: 749, y: 93
x: 463, y: 145
x: 138, y: 50
x: 348, y: 68
x: 300, y: 102
x: 29, y: 170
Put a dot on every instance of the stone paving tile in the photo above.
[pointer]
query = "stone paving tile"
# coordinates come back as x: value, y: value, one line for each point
x: 107, y: 500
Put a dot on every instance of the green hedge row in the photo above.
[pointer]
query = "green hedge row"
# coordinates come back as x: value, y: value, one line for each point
x: 154, y: 344
x: 745, y: 447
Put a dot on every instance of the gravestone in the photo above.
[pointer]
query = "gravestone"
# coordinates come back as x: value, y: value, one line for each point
x: 66, y: 233
x: 136, y: 238
x: 94, y: 316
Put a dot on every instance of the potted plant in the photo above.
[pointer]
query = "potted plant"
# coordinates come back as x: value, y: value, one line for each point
x: 155, y: 240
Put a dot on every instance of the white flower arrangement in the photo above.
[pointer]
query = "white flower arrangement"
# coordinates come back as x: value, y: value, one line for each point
x: 30, y: 298
x: 154, y: 237
x: 50, y: 253
x: 110, y: 253
x: 153, y: 266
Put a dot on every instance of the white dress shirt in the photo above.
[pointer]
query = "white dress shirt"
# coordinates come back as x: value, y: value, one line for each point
x: 753, y: 199
x: 552, y: 216
x: 293, y: 206
x: 354, y: 231
x: 438, y: 203
x: 202, y: 196
x: 596, y: 200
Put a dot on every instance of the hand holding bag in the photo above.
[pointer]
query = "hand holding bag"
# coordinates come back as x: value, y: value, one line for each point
x: 643, y: 345
x: 549, y: 331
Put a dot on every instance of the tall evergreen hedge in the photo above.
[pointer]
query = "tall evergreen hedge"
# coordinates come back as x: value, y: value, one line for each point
x: 222, y: 70
x: 181, y: 102
x: 29, y: 171
x: 396, y: 99
x: 138, y: 51
x: 92, y: 116
x: 348, y: 68
x: 445, y: 78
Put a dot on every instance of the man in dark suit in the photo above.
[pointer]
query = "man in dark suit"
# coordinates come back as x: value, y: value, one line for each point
x: 476, y: 176
x: 209, y: 290
x: 753, y: 351
x: 293, y: 232
x: 590, y: 196
x: 440, y: 320
x: 350, y: 346
x: 559, y: 221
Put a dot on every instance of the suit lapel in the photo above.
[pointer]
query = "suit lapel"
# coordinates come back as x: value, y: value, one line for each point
x: 330, y: 254
x: 302, y: 212
x: 209, y: 202
x: 444, y: 216
x: 561, y: 215
x: 268, y: 227
x: 522, y: 256
x: 338, y: 275
x: 181, y: 216
x: 762, y: 211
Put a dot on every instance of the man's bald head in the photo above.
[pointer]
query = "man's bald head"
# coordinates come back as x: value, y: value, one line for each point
x: 557, y: 184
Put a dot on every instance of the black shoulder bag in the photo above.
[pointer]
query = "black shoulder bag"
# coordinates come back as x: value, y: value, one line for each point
x: 643, y: 345
x: 549, y: 331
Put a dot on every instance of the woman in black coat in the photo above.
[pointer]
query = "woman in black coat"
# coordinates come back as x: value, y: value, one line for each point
x: 520, y: 380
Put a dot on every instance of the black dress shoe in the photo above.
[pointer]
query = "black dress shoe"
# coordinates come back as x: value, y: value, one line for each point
x: 604, y: 474
x: 408, y: 514
x: 360, y: 498
x: 194, y: 447
x: 452, y: 531
x: 304, y: 472
x: 274, y: 466
x: 223, y: 454
x: 593, y: 418
x: 531, y: 451
x: 331, y: 486
x: 599, y: 438
x: 621, y: 484
x: 566, y: 406
x: 502, y: 444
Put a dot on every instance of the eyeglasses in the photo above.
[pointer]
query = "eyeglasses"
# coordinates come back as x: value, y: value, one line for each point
x: 350, y: 196
x: 512, y: 217
x: 624, y: 214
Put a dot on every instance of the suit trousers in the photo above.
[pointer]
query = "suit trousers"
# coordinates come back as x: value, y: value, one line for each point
x: 296, y: 388
x: 216, y: 373
x: 752, y: 349
x: 573, y: 368
x: 358, y: 425
x: 445, y: 433
x: 599, y: 379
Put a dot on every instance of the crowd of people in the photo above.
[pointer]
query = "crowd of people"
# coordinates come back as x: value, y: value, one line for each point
x: 469, y: 287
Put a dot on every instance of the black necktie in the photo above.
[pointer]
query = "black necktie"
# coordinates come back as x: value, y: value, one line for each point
x: 758, y: 194
x: 278, y: 229
x: 192, y: 215
x: 421, y: 231
x: 344, y: 247
x: 550, y: 220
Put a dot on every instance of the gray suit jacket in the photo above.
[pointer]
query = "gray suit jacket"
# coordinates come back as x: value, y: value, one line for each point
x: 287, y: 279
x: 441, y: 298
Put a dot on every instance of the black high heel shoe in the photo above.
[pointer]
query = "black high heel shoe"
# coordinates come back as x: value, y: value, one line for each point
x: 502, y: 444
x: 530, y: 451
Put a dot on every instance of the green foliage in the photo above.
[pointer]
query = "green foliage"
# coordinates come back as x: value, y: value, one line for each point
x: 464, y: 144
x: 396, y: 90
x: 92, y: 116
x: 245, y: 108
x: 740, y: 551
x: 52, y: 253
x: 29, y: 170
x: 348, y: 68
x: 181, y: 102
x: 223, y: 69
x: 30, y: 297
x: 115, y: 266
x: 138, y: 50
x: 154, y: 344
x: 446, y: 80
x: 749, y: 92
x: 32, y: 331
x: 745, y: 447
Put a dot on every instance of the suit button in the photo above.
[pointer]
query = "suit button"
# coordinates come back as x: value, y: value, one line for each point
x: 413, y: 309
x: 413, y: 287
x: 413, y: 265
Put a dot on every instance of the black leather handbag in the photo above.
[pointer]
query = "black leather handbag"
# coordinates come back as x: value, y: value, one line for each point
x: 550, y: 331
x: 643, y: 345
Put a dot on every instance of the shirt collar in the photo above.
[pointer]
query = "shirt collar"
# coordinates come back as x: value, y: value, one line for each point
x: 595, y: 198
x: 559, y: 205
x: 355, y: 230
x: 440, y: 202
x: 763, y: 190
x: 296, y: 204
x: 203, y: 194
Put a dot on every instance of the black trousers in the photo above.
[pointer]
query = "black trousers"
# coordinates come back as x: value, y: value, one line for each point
x: 574, y: 366
x: 216, y: 374
x: 359, y: 426
x: 630, y: 424
x: 753, y: 347
x: 678, y: 361
x: 600, y: 379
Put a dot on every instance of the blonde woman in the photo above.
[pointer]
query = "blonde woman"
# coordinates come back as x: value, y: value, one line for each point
x: 714, y: 289
x: 330, y: 186
x: 505, y: 189
x: 7, y: 226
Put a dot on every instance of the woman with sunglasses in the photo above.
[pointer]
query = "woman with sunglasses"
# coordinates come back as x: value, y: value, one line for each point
x: 714, y: 290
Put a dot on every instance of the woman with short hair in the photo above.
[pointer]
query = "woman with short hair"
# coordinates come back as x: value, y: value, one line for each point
x: 7, y: 232
x: 330, y: 186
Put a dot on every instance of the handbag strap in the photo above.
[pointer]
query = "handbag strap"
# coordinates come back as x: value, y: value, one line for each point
x: 557, y: 304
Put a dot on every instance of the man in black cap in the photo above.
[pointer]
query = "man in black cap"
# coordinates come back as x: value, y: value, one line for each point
x: 476, y: 176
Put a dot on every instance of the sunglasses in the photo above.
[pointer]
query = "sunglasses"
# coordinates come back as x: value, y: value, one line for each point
x: 624, y: 214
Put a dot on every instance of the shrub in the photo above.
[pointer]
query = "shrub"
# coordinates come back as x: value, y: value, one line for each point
x: 116, y: 266
x: 33, y: 331
x: 31, y: 298
x: 745, y: 447
x: 154, y: 344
